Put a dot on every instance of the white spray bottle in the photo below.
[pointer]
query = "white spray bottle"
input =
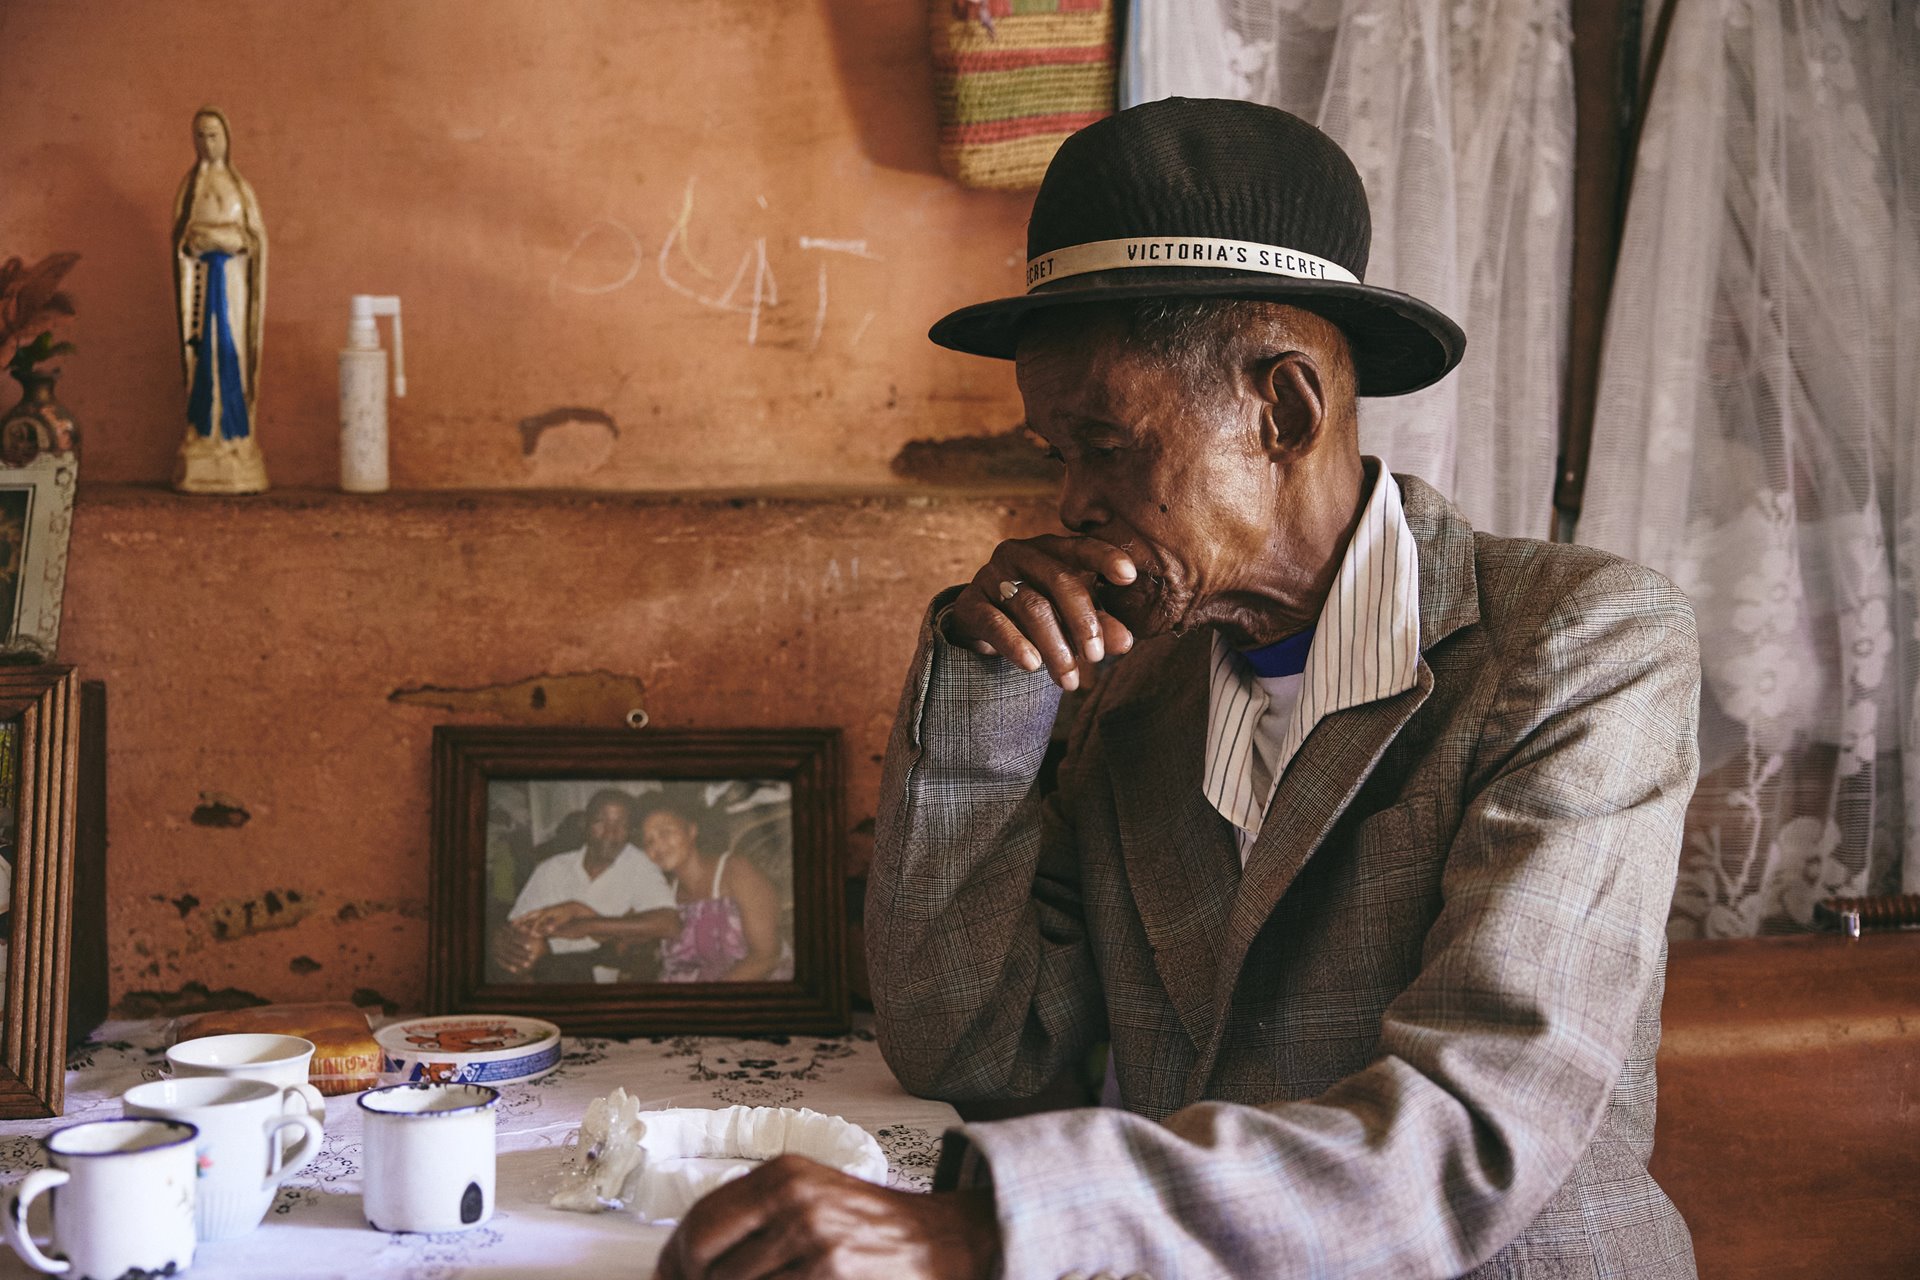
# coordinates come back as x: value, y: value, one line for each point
x: 363, y: 394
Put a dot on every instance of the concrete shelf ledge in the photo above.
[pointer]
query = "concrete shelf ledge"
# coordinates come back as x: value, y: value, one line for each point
x: 413, y: 500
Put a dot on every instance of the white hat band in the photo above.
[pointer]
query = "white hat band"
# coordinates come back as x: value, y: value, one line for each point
x: 1182, y: 251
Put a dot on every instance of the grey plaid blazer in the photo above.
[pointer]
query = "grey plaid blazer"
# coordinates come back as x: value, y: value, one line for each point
x: 1415, y: 1037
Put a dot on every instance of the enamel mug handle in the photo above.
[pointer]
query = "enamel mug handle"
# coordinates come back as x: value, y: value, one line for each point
x: 310, y: 1098
x: 15, y: 1221
x: 294, y: 1158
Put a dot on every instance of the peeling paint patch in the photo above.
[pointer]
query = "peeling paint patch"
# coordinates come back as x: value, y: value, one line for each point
x: 303, y: 965
x: 533, y: 428
x: 236, y: 918
x: 216, y: 810
x: 576, y: 696
x: 194, y: 997
x: 368, y: 908
x: 1013, y: 454
x: 565, y: 444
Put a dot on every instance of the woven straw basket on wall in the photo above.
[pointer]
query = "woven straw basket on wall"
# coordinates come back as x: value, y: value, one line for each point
x: 1013, y: 78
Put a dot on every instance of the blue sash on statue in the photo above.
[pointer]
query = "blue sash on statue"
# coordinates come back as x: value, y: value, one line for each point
x: 217, y: 359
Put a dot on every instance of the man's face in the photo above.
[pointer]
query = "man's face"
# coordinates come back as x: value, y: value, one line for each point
x: 607, y: 828
x: 1168, y: 471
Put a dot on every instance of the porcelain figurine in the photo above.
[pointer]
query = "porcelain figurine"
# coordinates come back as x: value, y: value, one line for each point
x: 220, y: 278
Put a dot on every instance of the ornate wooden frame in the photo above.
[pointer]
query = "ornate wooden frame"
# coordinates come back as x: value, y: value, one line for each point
x: 34, y: 629
x: 467, y: 758
x: 45, y: 702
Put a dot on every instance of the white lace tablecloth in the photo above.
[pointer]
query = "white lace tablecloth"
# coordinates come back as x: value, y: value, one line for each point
x: 315, y: 1231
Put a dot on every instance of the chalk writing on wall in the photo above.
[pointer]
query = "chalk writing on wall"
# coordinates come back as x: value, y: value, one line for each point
x: 605, y: 227
x: 752, y: 290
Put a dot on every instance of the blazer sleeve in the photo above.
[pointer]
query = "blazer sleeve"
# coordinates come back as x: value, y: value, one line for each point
x: 977, y: 956
x: 1494, y: 1066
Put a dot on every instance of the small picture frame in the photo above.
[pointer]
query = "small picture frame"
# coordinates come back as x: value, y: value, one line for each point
x: 39, y: 785
x: 640, y: 882
x: 36, y: 524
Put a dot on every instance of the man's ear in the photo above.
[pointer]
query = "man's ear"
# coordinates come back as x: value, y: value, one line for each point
x: 1293, y: 410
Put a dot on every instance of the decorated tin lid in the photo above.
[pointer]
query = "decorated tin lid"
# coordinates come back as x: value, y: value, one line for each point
x: 467, y: 1048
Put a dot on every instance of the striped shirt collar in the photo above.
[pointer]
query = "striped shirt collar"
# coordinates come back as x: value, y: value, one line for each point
x: 1366, y: 646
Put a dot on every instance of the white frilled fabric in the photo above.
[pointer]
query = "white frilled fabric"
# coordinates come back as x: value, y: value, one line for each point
x: 659, y: 1164
x: 1459, y: 117
x: 315, y: 1230
x: 1757, y: 439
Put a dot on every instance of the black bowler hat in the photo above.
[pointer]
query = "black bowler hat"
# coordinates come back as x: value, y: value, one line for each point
x: 1211, y: 198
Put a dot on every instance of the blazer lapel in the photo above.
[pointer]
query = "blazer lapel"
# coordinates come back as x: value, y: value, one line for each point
x: 1330, y: 766
x: 1181, y: 859
x: 1322, y: 778
x: 1449, y: 587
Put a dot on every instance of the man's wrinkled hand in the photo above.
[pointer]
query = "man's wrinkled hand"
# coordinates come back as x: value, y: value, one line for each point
x: 1033, y: 604
x: 794, y: 1218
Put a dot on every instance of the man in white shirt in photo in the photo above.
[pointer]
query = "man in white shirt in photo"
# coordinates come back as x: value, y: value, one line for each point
x: 577, y: 904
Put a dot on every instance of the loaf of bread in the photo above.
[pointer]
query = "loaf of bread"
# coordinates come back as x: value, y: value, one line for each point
x: 345, y: 1057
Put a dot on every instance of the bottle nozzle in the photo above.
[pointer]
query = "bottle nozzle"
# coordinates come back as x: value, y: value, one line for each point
x: 363, y: 335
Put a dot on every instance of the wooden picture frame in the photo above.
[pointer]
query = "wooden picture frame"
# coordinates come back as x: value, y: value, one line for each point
x: 36, y: 513
x: 39, y: 779
x: 520, y: 814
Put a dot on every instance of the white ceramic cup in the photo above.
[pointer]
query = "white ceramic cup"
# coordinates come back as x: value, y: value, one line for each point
x: 123, y: 1204
x: 428, y: 1162
x: 251, y: 1055
x: 242, y: 1160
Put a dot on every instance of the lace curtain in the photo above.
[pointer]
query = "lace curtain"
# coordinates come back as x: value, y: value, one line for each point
x: 1757, y: 439
x: 1460, y: 119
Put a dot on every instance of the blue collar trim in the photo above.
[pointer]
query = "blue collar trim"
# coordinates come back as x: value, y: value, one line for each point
x: 1281, y: 658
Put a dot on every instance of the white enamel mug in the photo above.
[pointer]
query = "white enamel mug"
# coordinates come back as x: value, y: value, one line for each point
x: 251, y: 1055
x: 428, y: 1162
x: 242, y: 1159
x: 123, y: 1197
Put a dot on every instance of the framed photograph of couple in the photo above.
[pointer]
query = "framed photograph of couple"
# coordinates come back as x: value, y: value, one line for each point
x: 640, y: 882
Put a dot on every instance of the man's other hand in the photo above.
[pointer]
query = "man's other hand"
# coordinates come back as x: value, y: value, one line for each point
x: 1032, y: 604
x: 794, y: 1218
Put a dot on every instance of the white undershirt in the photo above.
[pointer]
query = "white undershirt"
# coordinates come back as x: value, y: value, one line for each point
x: 1269, y: 739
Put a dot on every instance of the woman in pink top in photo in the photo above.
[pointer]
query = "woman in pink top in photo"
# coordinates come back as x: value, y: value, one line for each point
x: 729, y: 912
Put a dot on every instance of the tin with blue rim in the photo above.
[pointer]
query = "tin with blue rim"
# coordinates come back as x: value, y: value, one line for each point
x: 467, y: 1048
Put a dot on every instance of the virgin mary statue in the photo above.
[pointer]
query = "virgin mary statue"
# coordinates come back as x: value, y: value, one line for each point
x: 220, y: 277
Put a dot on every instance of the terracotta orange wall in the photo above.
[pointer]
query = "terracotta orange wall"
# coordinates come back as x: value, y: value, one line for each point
x: 289, y: 660
x: 514, y: 171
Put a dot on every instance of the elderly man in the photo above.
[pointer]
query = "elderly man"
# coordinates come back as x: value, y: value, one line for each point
x: 1362, y: 846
